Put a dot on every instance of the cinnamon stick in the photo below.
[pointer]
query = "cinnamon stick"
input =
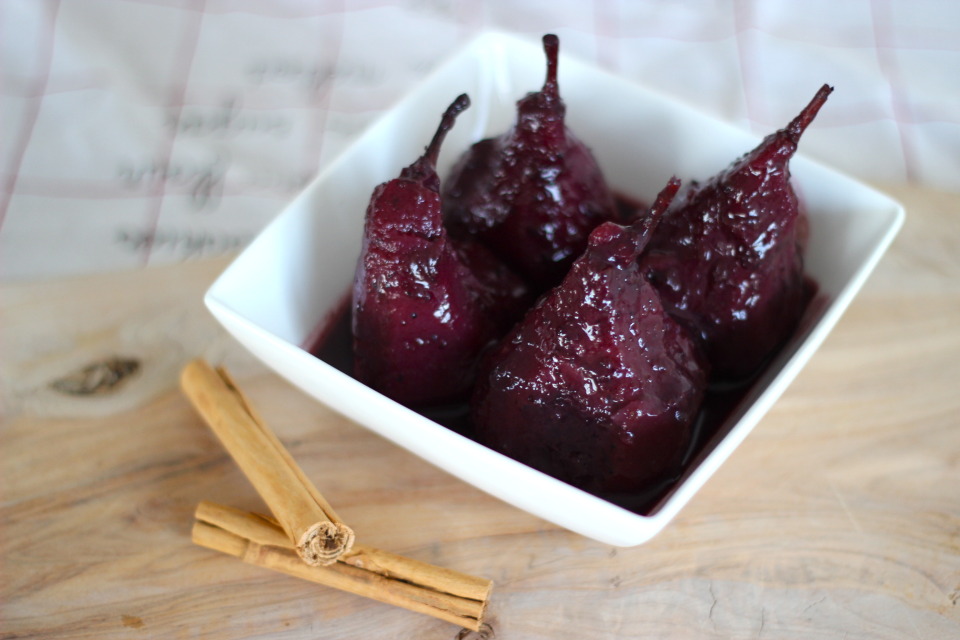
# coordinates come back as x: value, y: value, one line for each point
x: 417, y: 586
x: 317, y: 534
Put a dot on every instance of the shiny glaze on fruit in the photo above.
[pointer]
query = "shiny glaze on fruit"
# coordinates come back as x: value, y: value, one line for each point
x: 533, y: 194
x: 424, y: 306
x: 597, y: 385
x: 728, y: 256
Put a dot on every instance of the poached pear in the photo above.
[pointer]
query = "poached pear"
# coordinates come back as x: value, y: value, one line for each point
x: 533, y: 194
x: 727, y: 258
x: 423, y: 305
x: 597, y: 385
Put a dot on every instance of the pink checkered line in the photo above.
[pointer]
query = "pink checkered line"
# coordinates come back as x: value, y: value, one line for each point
x: 186, y: 52
x: 883, y: 28
x: 45, y: 45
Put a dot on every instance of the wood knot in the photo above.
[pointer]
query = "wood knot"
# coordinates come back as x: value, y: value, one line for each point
x: 97, y: 378
x: 132, y: 622
x: 486, y: 632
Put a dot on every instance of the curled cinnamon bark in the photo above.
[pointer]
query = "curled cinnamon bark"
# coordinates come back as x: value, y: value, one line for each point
x: 315, y: 531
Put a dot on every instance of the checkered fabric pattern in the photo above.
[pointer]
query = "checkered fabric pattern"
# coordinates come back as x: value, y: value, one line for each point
x: 141, y: 132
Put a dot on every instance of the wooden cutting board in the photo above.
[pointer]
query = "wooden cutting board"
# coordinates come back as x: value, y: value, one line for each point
x: 838, y: 518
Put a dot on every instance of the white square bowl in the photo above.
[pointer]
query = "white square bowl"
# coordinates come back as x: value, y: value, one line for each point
x: 296, y: 273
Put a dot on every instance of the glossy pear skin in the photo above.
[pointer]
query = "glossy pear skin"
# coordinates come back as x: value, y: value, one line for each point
x: 424, y: 307
x: 597, y: 385
x: 727, y: 258
x: 533, y: 194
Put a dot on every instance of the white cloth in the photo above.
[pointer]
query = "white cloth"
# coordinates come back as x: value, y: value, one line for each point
x: 141, y: 132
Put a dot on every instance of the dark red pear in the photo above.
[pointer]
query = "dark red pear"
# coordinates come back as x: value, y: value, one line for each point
x: 424, y: 307
x: 534, y: 193
x: 728, y: 256
x: 597, y: 385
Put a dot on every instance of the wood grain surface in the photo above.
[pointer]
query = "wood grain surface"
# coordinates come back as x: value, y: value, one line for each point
x: 839, y: 517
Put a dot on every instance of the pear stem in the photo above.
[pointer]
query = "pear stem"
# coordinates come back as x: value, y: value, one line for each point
x: 551, y: 47
x: 800, y: 123
x: 446, y: 123
x: 645, y: 226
